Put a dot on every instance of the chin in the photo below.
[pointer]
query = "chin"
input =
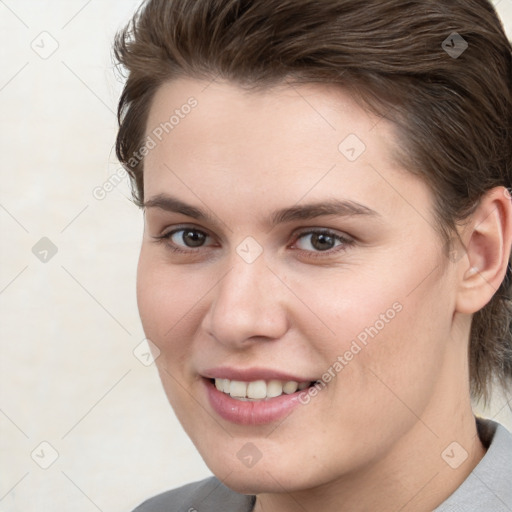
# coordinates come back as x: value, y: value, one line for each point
x: 265, y: 476
x: 252, y: 481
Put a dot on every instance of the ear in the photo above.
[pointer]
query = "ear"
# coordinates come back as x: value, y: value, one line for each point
x: 488, y: 238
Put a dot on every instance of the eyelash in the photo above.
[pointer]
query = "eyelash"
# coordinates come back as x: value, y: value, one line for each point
x: 345, y: 241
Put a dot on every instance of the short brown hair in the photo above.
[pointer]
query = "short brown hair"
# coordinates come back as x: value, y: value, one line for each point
x: 440, y: 71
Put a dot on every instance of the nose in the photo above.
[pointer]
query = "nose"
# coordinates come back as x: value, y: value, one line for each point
x: 247, y: 306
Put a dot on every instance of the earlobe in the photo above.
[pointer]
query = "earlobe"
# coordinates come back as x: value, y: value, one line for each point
x: 488, y: 239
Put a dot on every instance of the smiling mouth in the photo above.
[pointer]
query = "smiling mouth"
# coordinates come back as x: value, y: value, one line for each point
x: 259, y: 389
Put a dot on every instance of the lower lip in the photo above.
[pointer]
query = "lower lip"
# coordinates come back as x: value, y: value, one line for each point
x: 243, y: 412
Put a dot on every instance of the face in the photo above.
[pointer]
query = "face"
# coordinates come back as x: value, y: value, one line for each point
x: 292, y: 281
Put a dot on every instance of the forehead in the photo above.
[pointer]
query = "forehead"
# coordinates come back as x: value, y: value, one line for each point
x: 227, y: 114
x: 280, y: 144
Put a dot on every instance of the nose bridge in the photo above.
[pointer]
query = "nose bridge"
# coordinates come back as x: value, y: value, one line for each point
x: 245, y: 289
x: 246, y: 303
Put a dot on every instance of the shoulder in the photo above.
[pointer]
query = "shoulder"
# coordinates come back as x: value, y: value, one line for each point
x: 488, y: 486
x: 208, y: 495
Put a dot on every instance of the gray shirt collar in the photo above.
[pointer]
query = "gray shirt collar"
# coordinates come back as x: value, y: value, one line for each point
x: 489, y: 486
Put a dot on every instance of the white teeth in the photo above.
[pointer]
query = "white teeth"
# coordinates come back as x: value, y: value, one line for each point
x: 290, y: 387
x: 238, y: 388
x: 274, y: 388
x: 259, y: 389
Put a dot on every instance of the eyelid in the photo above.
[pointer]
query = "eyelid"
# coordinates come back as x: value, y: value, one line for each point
x: 182, y: 227
x: 320, y: 229
x: 323, y: 231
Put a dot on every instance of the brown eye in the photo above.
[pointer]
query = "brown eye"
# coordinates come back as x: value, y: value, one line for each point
x: 188, y: 237
x: 322, y: 242
x: 319, y: 241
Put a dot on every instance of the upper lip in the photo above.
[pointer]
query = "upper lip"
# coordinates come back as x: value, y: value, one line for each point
x: 251, y: 374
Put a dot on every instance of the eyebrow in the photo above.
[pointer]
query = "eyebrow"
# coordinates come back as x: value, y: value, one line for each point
x: 335, y: 207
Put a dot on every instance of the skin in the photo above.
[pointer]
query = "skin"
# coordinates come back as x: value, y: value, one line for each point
x: 373, y: 438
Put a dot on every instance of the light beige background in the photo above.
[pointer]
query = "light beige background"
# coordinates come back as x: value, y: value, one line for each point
x: 69, y: 377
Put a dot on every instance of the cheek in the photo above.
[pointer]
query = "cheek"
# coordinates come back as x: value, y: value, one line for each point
x: 165, y: 298
x: 417, y: 341
x: 390, y: 326
x: 401, y: 361
x: 345, y: 307
x: 168, y: 307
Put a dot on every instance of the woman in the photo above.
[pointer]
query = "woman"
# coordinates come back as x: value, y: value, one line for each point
x: 324, y: 273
